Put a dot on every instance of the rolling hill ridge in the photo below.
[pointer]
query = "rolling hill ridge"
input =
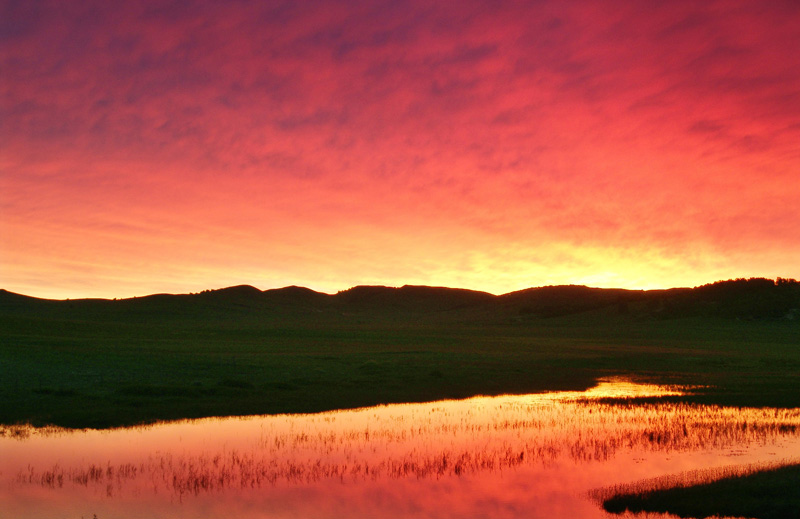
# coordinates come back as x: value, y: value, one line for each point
x: 754, y: 298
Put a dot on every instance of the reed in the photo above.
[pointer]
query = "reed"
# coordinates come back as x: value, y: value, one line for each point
x: 438, y: 440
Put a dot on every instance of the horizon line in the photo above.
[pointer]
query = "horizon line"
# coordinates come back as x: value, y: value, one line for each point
x: 395, y: 287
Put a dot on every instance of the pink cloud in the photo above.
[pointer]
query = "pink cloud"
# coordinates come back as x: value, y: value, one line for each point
x: 436, y: 132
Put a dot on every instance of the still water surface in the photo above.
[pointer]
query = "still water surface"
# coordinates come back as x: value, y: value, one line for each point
x: 544, y: 455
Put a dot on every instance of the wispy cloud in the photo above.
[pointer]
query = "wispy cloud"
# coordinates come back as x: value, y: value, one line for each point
x: 390, y: 135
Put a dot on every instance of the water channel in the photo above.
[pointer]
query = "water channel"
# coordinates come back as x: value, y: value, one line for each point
x: 543, y: 455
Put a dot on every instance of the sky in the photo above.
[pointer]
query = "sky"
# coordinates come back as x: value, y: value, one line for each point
x: 177, y: 146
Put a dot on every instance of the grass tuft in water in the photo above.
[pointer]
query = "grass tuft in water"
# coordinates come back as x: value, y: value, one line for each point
x: 769, y: 494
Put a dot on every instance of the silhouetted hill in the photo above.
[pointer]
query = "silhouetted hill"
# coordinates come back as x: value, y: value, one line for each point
x: 410, y: 298
x: 755, y: 298
x: 237, y: 292
x: 553, y: 301
x: 298, y: 295
x: 11, y: 303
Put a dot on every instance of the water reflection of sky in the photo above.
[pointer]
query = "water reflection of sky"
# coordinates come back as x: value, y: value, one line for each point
x: 506, y: 457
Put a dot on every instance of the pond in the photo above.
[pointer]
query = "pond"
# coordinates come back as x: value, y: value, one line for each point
x: 541, y: 455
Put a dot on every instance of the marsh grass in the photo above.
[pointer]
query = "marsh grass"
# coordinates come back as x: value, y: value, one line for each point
x: 763, y: 490
x: 437, y: 440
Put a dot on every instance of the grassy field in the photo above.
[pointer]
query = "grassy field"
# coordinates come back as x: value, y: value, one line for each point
x: 772, y: 494
x: 110, y: 363
x: 241, y: 351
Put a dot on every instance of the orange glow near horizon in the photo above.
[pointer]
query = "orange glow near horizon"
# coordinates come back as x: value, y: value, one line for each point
x: 158, y: 147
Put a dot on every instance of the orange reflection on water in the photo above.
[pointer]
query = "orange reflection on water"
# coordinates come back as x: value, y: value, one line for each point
x: 507, y: 456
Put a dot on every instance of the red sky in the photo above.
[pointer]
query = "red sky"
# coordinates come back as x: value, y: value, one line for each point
x: 177, y: 146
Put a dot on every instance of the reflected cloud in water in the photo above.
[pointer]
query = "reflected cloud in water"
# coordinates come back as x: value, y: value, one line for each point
x: 506, y: 456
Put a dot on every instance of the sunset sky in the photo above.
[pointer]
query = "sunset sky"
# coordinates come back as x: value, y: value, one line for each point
x: 176, y: 146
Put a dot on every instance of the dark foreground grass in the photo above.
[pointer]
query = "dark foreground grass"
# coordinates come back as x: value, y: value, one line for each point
x: 83, y: 378
x: 92, y: 370
x: 772, y: 494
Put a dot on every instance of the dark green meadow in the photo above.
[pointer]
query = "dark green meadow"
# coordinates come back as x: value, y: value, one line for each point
x: 240, y: 351
x: 771, y: 494
x: 100, y: 363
